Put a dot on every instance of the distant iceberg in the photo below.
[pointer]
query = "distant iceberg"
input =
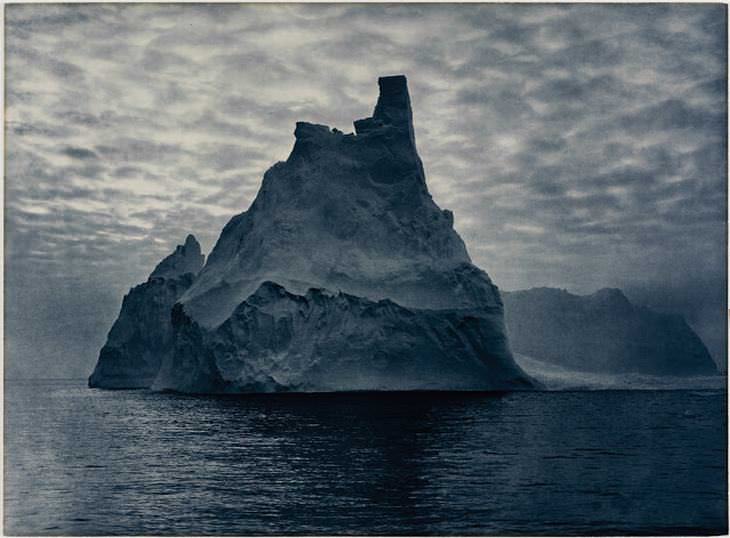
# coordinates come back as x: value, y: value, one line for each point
x: 604, y: 335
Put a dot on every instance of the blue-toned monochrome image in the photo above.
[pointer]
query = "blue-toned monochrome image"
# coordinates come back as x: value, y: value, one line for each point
x: 365, y: 269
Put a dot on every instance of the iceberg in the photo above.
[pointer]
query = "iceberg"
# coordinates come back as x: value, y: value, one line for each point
x: 602, y: 333
x: 142, y: 333
x: 343, y: 274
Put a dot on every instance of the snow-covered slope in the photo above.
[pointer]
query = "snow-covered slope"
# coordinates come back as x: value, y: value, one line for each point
x: 346, y: 212
x: 555, y: 378
x: 142, y: 334
x: 602, y: 333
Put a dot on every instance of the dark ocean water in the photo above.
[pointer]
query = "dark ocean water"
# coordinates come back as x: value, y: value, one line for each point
x: 84, y: 462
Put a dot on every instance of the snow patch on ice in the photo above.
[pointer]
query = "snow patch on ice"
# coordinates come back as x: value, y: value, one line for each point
x: 557, y: 378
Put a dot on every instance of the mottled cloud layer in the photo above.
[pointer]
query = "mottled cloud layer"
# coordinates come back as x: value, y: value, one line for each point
x: 579, y: 146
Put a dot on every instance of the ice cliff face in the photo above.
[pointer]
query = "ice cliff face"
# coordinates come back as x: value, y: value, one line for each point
x: 142, y: 334
x: 602, y: 333
x: 278, y: 341
x: 342, y: 275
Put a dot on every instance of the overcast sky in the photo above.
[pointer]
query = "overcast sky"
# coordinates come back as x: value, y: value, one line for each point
x: 579, y: 146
